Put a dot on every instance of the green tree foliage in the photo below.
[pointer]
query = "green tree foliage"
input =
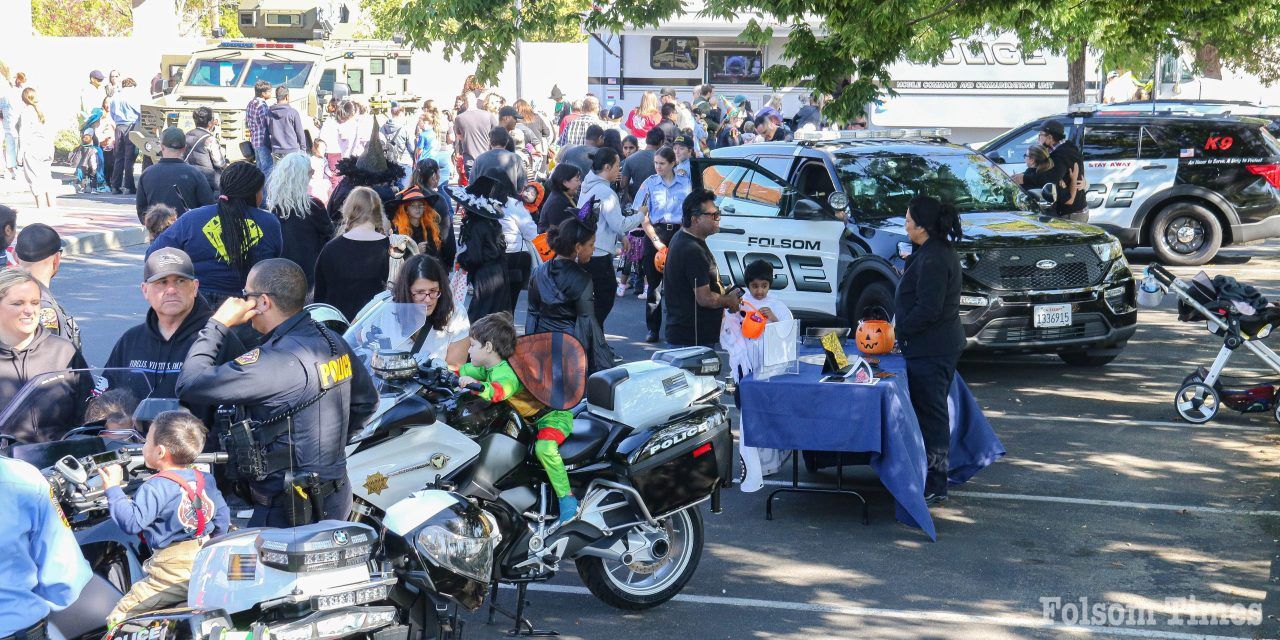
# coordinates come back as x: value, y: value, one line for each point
x: 844, y: 47
x: 82, y: 18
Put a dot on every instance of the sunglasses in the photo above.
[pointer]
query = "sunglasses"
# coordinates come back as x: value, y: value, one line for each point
x: 246, y: 294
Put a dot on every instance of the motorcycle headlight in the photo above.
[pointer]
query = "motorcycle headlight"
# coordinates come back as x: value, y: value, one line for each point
x: 462, y: 545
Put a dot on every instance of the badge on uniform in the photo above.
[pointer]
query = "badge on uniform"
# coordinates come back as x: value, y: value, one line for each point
x: 249, y: 358
x: 49, y: 318
x: 334, y: 372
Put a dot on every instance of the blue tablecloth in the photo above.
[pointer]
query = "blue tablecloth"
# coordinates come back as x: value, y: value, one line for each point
x: 799, y: 412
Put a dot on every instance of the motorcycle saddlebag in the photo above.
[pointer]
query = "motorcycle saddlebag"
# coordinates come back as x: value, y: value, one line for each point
x: 675, y: 466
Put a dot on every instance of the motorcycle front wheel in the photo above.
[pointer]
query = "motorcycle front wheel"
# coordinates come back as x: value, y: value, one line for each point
x: 643, y: 585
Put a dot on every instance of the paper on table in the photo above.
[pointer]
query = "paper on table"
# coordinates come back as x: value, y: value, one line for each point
x: 778, y: 348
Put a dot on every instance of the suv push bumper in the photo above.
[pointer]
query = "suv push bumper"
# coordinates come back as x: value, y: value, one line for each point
x: 1006, y: 324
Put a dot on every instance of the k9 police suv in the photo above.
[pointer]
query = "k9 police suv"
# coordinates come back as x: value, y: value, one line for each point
x: 827, y: 211
x: 1181, y: 182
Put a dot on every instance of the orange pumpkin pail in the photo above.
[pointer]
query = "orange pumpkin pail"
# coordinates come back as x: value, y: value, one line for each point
x: 753, y: 322
x: 660, y: 260
x: 875, y: 334
x: 544, y: 249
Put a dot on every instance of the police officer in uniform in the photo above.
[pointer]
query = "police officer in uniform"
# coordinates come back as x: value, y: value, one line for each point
x: 39, y: 250
x: 301, y: 393
x: 43, y: 570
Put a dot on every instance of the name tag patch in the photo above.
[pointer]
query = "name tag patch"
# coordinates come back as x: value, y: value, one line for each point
x: 334, y: 372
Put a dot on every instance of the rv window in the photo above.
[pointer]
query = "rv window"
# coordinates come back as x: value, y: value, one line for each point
x: 402, y: 66
x: 377, y: 66
x: 355, y: 80
x: 673, y: 53
x: 734, y: 66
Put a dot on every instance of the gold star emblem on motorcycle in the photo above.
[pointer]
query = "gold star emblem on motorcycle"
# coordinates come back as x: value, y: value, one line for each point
x: 375, y: 483
x: 439, y: 460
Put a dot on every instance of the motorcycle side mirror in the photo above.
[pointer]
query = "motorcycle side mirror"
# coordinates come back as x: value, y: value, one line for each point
x: 1049, y: 193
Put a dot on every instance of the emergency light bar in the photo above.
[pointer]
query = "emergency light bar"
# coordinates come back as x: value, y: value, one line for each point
x: 871, y: 134
x: 236, y: 44
x: 1082, y: 109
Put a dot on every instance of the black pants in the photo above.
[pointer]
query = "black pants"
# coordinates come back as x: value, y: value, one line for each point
x: 126, y: 154
x: 929, y: 381
x: 653, y: 306
x: 603, y: 282
x: 519, y: 266
x: 490, y: 292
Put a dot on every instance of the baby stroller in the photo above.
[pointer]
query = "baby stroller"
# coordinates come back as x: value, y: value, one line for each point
x: 1242, y: 318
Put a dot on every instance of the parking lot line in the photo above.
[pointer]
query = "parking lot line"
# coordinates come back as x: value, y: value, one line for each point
x: 1210, y: 426
x: 1015, y: 621
x: 1152, y: 506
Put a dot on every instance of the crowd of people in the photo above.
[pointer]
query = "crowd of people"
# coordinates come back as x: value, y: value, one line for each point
x: 460, y: 211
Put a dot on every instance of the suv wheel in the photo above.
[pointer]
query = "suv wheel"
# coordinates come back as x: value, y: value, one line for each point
x: 1085, y: 359
x: 876, y: 294
x: 1185, y: 234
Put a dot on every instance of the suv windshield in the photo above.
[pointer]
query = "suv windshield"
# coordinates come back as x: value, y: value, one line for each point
x: 880, y: 185
x: 215, y: 73
x: 287, y: 72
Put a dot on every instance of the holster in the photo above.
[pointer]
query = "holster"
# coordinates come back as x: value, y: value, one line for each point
x: 304, y: 496
x: 248, y: 460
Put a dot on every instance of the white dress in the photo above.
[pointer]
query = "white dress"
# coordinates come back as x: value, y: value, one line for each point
x: 35, y: 150
x: 744, y: 357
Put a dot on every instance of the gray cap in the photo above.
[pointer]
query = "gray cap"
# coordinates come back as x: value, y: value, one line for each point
x: 97, y: 75
x: 168, y: 262
x: 173, y: 138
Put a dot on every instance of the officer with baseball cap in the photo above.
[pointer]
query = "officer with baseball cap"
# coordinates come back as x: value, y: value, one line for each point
x: 39, y: 251
x: 171, y: 181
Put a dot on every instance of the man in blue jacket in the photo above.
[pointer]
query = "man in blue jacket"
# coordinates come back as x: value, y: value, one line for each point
x: 42, y: 569
x: 285, y: 125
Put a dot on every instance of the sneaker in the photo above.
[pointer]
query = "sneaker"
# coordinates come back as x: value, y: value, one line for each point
x: 935, y: 498
x: 622, y: 290
x: 102, y: 190
x: 644, y: 295
x: 568, y: 508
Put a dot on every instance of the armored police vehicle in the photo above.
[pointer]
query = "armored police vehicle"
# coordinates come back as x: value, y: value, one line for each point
x: 286, y: 45
x: 827, y: 211
x: 1183, y: 182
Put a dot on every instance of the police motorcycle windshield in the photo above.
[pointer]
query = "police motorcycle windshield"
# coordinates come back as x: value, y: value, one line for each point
x: 388, y: 326
x: 54, y: 405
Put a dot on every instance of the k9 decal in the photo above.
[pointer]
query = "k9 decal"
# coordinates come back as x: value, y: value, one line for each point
x: 1118, y: 195
x: 804, y: 271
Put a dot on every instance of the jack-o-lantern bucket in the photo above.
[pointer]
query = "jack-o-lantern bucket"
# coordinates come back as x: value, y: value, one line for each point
x: 753, y: 322
x: 875, y: 334
x: 660, y: 260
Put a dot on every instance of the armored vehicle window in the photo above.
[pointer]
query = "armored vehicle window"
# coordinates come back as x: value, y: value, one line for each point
x: 289, y: 73
x: 402, y: 66
x: 216, y: 73
x: 377, y: 66
x: 355, y: 80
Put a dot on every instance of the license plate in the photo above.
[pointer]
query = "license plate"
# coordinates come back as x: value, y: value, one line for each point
x: 1048, y: 316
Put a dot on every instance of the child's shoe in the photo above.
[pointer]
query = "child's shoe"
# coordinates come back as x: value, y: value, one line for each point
x: 568, y: 508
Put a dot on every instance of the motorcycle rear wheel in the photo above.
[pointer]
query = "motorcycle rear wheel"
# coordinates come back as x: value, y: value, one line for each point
x: 642, y: 586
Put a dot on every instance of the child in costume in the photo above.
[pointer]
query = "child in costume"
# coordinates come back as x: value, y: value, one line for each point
x: 493, y: 343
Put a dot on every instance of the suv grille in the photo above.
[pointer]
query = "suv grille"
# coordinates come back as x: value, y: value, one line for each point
x: 1015, y: 269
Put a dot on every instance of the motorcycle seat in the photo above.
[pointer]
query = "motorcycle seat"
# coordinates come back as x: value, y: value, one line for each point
x: 589, y: 434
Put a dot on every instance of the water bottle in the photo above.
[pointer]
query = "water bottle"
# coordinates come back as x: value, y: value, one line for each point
x: 1150, y: 294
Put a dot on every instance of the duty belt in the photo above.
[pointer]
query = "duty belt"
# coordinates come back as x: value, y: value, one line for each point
x: 33, y: 632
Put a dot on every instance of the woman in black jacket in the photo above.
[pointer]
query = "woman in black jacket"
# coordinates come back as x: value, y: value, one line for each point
x: 305, y: 226
x: 561, y: 296
x: 562, y: 193
x: 928, y: 328
x: 481, y: 247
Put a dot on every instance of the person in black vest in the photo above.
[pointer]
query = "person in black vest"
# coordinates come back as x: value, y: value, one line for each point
x: 172, y: 181
x: 928, y: 328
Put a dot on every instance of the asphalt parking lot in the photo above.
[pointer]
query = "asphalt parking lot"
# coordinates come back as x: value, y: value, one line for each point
x: 1104, y: 495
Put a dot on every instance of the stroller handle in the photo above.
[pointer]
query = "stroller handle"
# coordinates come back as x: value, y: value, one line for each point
x: 1163, y: 275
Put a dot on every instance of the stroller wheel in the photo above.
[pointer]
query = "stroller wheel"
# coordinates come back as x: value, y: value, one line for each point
x: 1276, y: 413
x: 1196, y: 402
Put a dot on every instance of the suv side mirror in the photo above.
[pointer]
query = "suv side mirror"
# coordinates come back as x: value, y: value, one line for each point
x: 996, y: 158
x: 807, y: 209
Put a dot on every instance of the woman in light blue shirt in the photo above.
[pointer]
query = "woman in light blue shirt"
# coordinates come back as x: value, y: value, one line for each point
x: 660, y: 197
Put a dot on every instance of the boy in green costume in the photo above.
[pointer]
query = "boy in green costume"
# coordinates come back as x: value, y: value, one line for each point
x: 493, y: 342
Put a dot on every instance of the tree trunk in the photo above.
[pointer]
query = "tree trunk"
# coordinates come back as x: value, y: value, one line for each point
x: 1209, y: 62
x: 1076, y: 72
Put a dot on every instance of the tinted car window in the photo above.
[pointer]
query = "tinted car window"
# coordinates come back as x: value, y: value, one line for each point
x: 1110, y: 142
x: 1221, y: 140
x: 1013, y: 150
x: 880, y: 186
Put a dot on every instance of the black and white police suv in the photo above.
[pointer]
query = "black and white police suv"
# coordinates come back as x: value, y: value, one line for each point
x: 827, y: 211
x: 1184, y: 184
